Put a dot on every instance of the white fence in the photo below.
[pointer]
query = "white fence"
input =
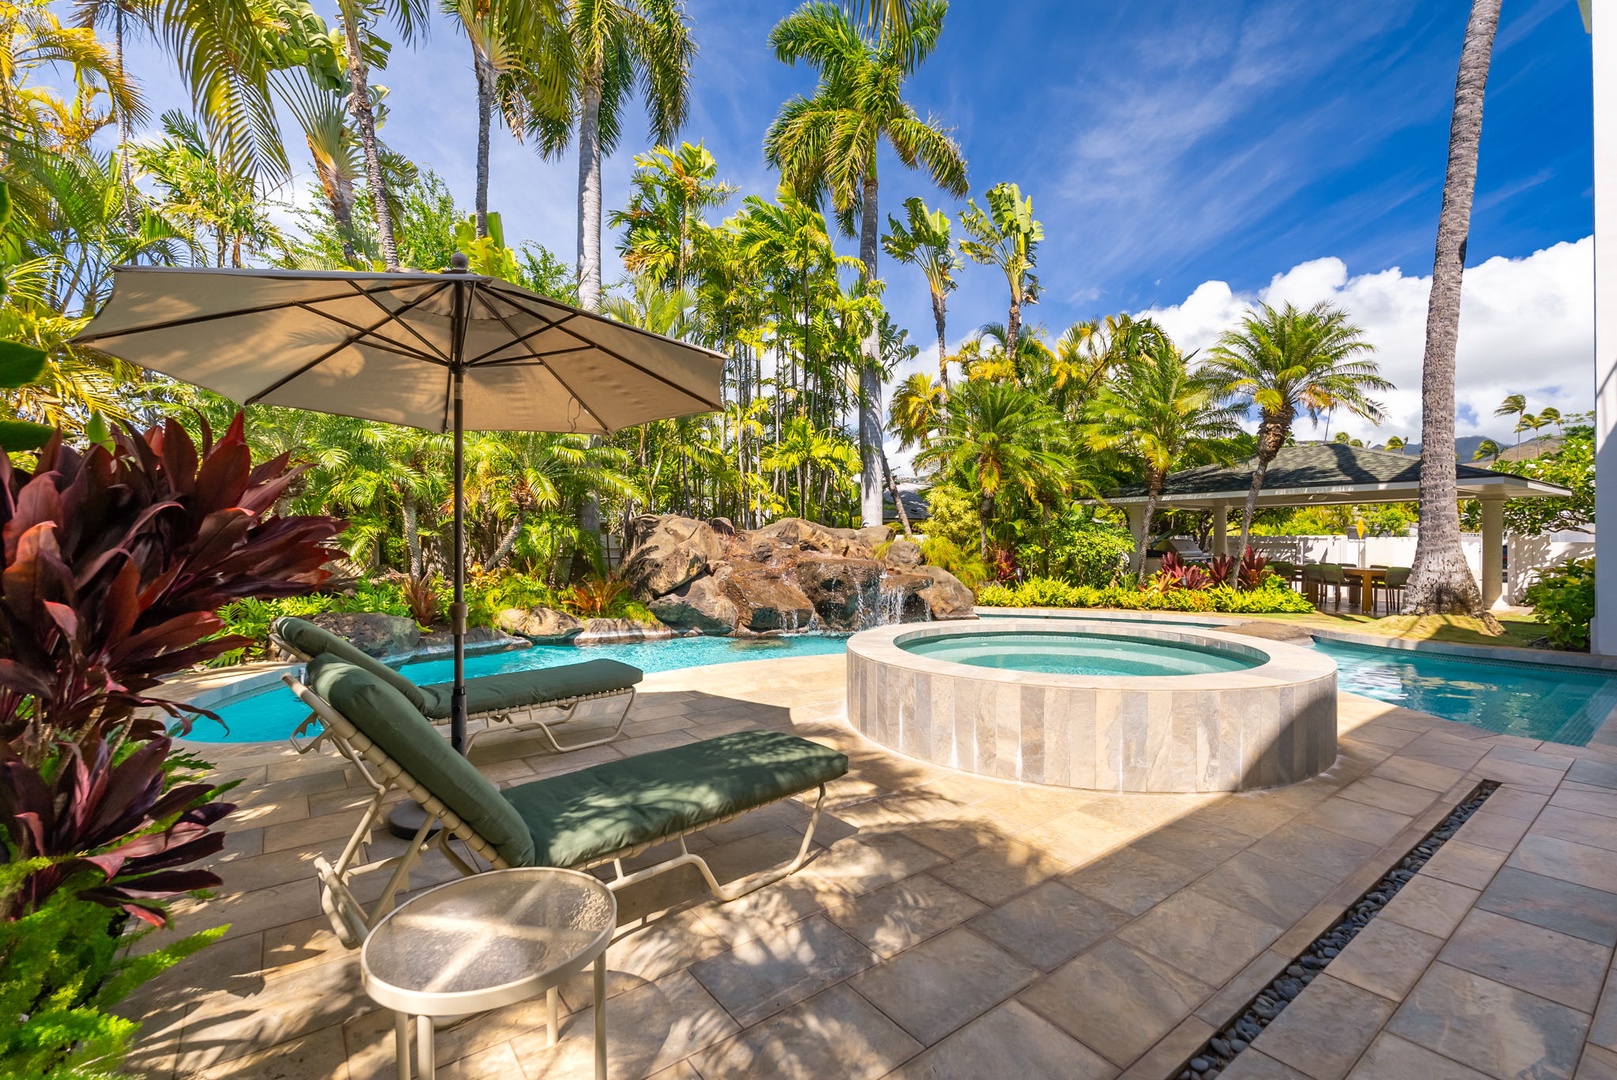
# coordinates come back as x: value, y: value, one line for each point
x: 1524, y: 555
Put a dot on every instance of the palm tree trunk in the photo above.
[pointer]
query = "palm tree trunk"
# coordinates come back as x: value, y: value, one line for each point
x: 508, y: 542
x: 412, y: 536
x: 485, y: 107
x: 1153, y: 492
x: 892, y: 489
x: 1013, y: 329
x: 1272, y: 432
x: 939, y: 310
x: 340, y: 197
x: 1440, y: 582
x: 126, y: 173
x: 589, y: 193
x: 364, y: 111
x: 870, y: 373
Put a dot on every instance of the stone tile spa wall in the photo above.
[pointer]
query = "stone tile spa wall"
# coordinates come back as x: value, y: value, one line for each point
x: 1261, y: 727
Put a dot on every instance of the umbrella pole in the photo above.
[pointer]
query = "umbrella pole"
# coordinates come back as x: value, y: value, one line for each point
x: 457, y: 608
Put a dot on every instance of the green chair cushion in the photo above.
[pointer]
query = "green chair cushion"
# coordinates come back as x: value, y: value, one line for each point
x: 312, y: 641
x: 514, y: 689
x: 585, y: 815
x: 388, y: 720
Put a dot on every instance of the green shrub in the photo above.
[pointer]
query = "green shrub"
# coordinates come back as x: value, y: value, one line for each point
x: 1563, y: 600
x: 1083, y: 550
x: 1273, y: 597
x: 491, y: 594
x: 952, y: 516
x: 63, y: 967
x: 964, y: 563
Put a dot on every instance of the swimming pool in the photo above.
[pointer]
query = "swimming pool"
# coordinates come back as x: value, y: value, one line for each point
x: 1072, y: 653
x: 272, y: 714
x: 1537, y: 701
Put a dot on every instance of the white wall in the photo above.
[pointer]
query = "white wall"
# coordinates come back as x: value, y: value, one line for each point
x: 1525, y: 555
x: 1530, y: 554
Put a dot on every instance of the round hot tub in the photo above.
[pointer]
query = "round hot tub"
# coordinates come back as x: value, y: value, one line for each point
x: 1150, y: 708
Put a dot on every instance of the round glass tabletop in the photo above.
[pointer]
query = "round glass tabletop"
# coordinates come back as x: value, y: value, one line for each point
x: 505, y: 933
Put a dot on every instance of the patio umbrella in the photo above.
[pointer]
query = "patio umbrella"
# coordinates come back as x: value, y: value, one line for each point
x: 442, y: 352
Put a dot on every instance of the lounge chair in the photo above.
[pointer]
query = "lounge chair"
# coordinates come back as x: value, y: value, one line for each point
x: 597, y: 688
x: 582, y: 819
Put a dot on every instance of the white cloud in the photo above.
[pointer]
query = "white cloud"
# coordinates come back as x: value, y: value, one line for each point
x: 1526, y: 326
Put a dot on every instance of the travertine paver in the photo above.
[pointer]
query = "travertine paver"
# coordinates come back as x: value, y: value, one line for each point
x: 954, y: 927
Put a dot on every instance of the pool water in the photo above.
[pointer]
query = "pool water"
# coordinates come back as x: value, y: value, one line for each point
x: 1537, y: 701
x: 273, y: 714
x: 1075, y: 653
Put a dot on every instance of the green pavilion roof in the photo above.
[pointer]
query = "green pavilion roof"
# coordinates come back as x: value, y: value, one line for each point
x: 1329, y: 474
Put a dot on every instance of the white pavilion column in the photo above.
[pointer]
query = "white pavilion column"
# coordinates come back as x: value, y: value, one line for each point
x: 1493, y: 550
x: 1136, y: 516
x: 1603, y: 31
x: 1221, y: 526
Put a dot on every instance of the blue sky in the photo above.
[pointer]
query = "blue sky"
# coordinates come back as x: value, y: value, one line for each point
x: 1166, y: 145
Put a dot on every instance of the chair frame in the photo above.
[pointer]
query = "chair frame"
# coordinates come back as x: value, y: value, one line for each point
x: 351, y: 920
x: 520, y: 718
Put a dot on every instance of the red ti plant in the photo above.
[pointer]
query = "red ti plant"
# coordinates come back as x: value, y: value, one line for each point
x: 1254, y: 569
x: 1220, y: 568
x: 115, y: 561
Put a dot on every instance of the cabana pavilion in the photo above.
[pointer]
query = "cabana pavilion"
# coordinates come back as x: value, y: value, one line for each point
x: 1334, y: 474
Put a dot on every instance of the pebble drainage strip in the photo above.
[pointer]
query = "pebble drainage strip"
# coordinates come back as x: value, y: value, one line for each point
x: 1220, y: 1051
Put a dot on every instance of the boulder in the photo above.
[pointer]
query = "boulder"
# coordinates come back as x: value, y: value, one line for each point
x: 540, y: 624
x: 602, y: 631
x: 845, y: 593
x: 946, y: 597
x: 903, y: 555
x: 766, y: 601
x: 698, y: 605
x: 372, y: 633
x: 903, y: 597
x: 667, y: 552
x: 871, y: 535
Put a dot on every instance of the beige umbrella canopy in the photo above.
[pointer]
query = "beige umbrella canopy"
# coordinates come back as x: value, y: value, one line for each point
x: 442, y: 352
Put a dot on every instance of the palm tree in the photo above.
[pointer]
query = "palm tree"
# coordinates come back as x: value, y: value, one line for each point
x: 408, y: 15
x: 1396, y: 443
x: 1527, y: 422
x: 1280, y: 361
x: 122, y: 13
x: 1440, y: 582
x: 924, y: 241
x: 1514, y: 405
x: 829, y: 142
x: 519, y: 51
x: 616, y: 45
x: 1487, y: 448
x: 1158, y: 411
x: 917, y: 410
x: 663, y: 220
x: 1548, y: 415
x: 999, y: 438
x: 1007, y: 236
x: 201, y: 188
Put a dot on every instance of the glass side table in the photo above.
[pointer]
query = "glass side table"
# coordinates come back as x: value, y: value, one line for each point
x: 484, y: 942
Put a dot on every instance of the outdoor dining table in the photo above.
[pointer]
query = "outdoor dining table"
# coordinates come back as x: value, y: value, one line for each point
x: 1365, y: 578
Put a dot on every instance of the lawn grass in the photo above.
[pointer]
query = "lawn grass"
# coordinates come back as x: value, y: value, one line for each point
x: 1520, y: 630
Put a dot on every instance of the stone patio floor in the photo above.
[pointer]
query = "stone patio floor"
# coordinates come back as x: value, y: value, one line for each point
x: 957, y: 927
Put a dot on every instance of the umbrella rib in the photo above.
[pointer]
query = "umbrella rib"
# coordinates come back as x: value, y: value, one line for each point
x: 620, y: 358
x: 329, y: 353
x: 191, y: 320
x: 429, y: 294
x: 382, y: 343
x: 520, y: 339
x: 533, y: 357
x: 553, y: 373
